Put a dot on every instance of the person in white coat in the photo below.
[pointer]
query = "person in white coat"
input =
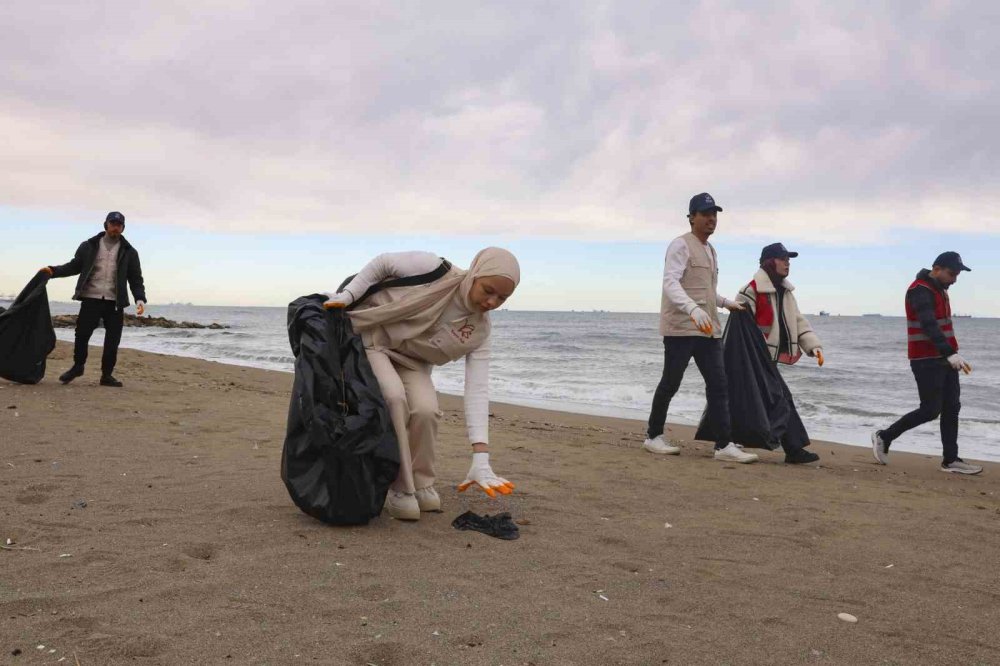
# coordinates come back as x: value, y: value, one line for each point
x: 407, y: 330
x: 771, y: 299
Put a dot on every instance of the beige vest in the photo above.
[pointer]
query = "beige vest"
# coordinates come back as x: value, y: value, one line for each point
x: 700, y: 280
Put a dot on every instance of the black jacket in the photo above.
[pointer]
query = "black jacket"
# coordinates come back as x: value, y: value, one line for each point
x: 83, y: 265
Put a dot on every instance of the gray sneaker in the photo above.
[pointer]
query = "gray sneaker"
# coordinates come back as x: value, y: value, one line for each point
x: 879, y: 449
x: 961, y: 467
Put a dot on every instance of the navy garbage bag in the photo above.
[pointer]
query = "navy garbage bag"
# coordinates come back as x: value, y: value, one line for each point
x: 340, y: 452
x: 762, y: 411
x: 26, y: 333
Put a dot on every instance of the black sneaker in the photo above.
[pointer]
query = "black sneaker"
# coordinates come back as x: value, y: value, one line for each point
x: 108, y: 380
x: 71, y: 374
x: 800, y: 457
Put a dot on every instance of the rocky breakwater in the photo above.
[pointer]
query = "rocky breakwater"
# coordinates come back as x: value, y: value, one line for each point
x: 69, y: 321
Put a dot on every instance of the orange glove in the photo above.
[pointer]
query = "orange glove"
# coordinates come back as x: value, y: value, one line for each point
x: 140, y: 308
x: 818, y: 353
x: 46, y: 269
x: 482, y: 475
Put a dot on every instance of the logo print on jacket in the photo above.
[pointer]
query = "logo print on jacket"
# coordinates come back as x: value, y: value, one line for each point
x: 464, y: 332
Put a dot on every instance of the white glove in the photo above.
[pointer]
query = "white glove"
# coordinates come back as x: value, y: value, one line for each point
x: 702, y: 320
x: 483, y: 476
x: 140, y: 307
x: 959, y: 363
x: 341, y: 300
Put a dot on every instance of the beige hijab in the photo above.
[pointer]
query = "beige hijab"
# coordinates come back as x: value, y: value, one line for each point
x: 411, y: 311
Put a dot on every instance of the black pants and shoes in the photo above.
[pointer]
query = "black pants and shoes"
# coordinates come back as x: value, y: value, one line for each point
x: 707, y: 353
x: 93, y: 312
x: 940, y: 396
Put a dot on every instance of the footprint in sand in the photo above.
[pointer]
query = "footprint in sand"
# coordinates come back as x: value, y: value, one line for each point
x: 38, y: 494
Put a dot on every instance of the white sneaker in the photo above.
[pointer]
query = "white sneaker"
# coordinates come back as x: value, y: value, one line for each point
x: 735, y: 453
x: 879, y: 449
x: 402, y: 506
x: 428, y: 499
x: 660, y: 446
x: 961, y: 467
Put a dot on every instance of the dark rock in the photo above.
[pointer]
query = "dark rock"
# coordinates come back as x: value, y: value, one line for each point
x: 69, y: 321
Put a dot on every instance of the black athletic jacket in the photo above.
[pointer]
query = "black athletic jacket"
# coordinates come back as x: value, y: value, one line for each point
x: 129, y: 269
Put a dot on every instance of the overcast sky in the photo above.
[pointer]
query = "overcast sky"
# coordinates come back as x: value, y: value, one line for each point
x: 853, y: 130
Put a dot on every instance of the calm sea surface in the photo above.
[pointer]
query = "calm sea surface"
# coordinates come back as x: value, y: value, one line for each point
x: 609, y: 364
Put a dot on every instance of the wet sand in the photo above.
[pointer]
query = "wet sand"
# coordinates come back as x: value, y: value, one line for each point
x: 189, y: 550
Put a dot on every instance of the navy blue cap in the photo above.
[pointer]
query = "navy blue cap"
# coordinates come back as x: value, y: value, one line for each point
x: 952, y: 260
x: 776, y: 251
x: 702, y: 202
x: 116, y: 217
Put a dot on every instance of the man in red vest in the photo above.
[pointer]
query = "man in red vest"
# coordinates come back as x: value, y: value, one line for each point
x: 935, y: 362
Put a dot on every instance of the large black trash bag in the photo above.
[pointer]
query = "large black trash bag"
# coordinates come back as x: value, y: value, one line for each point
x: 761, y: 408
x: 26, y: 334
x: 340, y: 452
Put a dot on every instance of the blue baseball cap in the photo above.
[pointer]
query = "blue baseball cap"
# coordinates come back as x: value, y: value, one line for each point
x: 776, y: 251
x: 702, y: 202
x: 952, y: 260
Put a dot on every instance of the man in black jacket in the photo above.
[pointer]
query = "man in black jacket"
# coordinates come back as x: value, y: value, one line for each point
x: 104, y: 263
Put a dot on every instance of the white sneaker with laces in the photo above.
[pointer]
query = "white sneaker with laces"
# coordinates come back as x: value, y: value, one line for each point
x: 961, y: 467
x: 879, y: 449
x: 735, y: 453
x: 402, y: 506
x: 660, y: 446
x: 428, y: 499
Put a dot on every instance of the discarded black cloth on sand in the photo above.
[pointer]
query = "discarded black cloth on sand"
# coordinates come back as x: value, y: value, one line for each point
x: 761, y: 408
x: 340, y: 452
x: 500, y: 526
x: 26, y: 333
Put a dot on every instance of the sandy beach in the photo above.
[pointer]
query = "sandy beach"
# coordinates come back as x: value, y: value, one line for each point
x: 188, y: 549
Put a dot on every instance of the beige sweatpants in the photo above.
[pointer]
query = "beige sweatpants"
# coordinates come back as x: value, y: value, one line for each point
x: 413, y: 408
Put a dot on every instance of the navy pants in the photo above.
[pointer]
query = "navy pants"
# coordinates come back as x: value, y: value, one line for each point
x: 940, y: 396
x: 92, y: 312
x: 707, y: 353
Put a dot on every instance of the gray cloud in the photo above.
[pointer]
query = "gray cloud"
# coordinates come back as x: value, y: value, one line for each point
x: 585, y: 119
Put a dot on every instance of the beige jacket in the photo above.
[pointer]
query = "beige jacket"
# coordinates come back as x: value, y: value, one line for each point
x: 700, y: 282
x: 763, y: 303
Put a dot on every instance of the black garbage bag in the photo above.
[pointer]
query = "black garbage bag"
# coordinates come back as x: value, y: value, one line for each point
x: 26, y: 333
x: 761, y: 408
x: 340, y: 452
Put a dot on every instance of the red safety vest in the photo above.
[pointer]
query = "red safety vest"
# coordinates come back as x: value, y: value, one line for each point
x: 919, y: 345
x: 765, y: 313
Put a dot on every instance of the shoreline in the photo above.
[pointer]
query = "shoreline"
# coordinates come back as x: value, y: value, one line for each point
x: 571, y: 408
x: 149, y: 524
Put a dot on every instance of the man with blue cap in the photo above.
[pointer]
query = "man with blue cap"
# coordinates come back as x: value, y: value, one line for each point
x: 934, y: 361
x: 689, y: 324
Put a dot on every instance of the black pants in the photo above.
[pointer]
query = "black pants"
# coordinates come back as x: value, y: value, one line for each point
x: 92, y: 312
x: 707, y: 353
x: 940, y: 395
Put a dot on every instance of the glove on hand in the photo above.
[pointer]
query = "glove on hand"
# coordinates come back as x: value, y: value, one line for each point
x: 341, y: 300
x: 959, y: 363
x: 702, y: 321
x: 140, y: 307
x: 483, y: 476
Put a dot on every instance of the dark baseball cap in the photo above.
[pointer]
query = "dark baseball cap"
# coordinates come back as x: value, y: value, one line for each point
x: 115, y: 217
x: 952, y: 260
x: 776, y: 251
x: 702, y: 202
